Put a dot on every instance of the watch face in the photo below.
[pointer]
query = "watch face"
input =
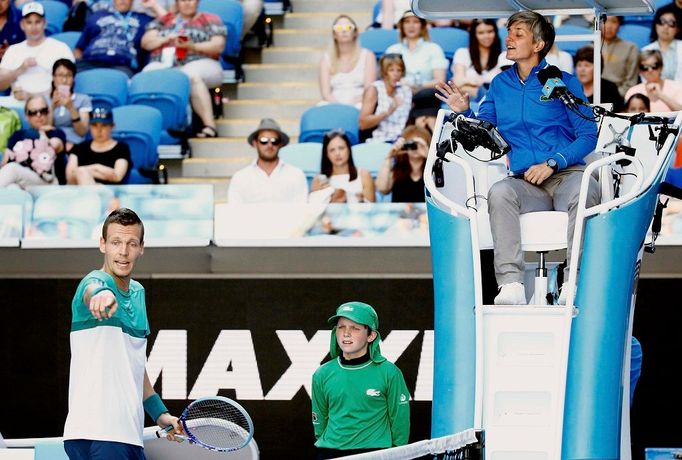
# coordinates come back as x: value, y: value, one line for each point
x: 551, y: 163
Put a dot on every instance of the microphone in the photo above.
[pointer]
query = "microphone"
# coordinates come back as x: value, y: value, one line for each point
x: 554, y: 88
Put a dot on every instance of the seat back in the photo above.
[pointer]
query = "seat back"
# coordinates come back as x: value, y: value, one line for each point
x: 635, y: 33
x: 307, y: 156
x: 170, y: 98
x: 232, y: 14
x: 572, y: 46
x: 316, y: 121
x: 70, y: 38
x: 55, y: 15
x: 450, y: 39
x: 377, y: 40
x: 139, y: 127
x: 103, y: 85
x: 370, y: 156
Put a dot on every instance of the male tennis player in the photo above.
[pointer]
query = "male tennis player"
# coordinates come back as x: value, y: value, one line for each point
x: 109, y: 386
x: 360, y: 400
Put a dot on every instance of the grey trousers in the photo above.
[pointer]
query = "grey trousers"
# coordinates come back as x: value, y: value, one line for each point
x: 512, y: 196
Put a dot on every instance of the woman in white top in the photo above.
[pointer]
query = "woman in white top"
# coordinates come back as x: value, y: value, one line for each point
x: 425, y: 62
x: 338, y: 171
x: 663, y: 35
x: 346, y: 70
x: 386, y: 103
x: 475, y: 67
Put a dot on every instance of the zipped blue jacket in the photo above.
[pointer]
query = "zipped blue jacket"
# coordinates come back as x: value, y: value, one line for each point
x: 535, y: 129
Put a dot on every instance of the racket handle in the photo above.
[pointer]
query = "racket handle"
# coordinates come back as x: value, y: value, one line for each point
x: 163, y: 432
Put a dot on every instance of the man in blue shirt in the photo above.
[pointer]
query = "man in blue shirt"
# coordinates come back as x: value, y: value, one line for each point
x: 10, y: 31
x: 548, y: 141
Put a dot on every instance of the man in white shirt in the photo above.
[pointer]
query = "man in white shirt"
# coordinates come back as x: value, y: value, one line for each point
x: 27, y: 66
x: 268, y: 179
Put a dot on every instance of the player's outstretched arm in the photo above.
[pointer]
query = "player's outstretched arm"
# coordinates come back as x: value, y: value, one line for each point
x: 100, y: 301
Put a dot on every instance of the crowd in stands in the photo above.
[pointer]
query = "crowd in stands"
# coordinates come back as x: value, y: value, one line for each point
x: 394, y: 96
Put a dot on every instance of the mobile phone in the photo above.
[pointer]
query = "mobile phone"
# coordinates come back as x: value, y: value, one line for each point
x: 410, y: 145
x: 64, y: 90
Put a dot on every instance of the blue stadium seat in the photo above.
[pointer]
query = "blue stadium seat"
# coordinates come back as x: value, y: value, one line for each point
x: 76, y: 209
x: 108, y: 85
x: 307, y: 156
x: 637, y: 34
x: 55, y: 15
x: 232, y: 14
x: 450, y: 39
x: 572, y: 46
x: 70, y: 38
x: 171, y: 98
x: 503, y: 32
x: 376, y: 9
x: 377, y: 40
x: 370, y: 155
x: 140, y: 127
x: 316, y: 121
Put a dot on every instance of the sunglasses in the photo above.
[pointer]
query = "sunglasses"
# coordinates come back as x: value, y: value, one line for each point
x: 273, y: 140
x: 645, y: 68
x: 667, y: 22
x: 343, y: 27
x: 33, y: 113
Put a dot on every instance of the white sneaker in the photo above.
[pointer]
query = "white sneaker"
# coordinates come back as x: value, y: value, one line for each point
x: 511, y: 294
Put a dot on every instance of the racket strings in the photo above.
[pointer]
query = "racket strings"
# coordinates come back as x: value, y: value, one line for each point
x: 217, y: 423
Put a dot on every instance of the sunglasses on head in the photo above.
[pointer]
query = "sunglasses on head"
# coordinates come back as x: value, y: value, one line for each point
x: 42, y: 111
x: 273, y: 140
x: 644, y: 67
x: 335, y: 132
x: 667, y: 22
x: 343, y: 27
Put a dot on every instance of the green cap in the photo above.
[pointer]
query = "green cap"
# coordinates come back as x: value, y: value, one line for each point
x: 361, y: 313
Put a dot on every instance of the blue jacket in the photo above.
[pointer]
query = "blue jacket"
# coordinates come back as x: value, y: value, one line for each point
x: 537, y: 130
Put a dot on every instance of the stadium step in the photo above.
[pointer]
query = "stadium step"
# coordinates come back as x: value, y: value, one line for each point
x: 325, y: 19
x: 279, y: 90
x: 268, y: 73
x: 242, y: 127
x: 292, y: 55
x: 220, y: 185
x: 310, y: 6
x: 276, y: 109
x: 302, y: 37
x: 214, y: 167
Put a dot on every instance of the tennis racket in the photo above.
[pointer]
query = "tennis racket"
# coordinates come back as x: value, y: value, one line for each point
x: 214, y: 423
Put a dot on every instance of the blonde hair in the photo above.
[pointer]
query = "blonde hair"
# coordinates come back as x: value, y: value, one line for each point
x: 387, y: 60
x: 333, y: 50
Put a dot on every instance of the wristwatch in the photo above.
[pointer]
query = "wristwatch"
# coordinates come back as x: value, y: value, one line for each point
x: 551, y: 162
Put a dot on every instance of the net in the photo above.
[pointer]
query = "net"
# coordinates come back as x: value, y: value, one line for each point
x: 464, y: 445
x: 217, y: 423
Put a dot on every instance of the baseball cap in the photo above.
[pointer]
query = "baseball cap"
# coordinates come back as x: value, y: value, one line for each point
x: 102, y: 113
x: 359, y: 312
x: 32, y: 8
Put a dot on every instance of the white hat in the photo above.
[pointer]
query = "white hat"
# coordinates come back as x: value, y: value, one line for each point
x: 32, y: 7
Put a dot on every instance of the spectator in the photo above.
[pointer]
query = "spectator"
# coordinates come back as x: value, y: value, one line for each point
x: 27, y: 66
x: 252, y: 11
x: 473, y: 68
x: 31, y: 154
x: 386, y: 104
x: 620, y: 56
x: 268, y: 179
x: 425, y: 107
x: 102, y: 160
x: 665, y: 95
x: 192, y: 42
x: 153, y: 8
x: 402, y: 172
x: 346, y: 419
x: 111, y: 38
x: 676, y: 7
x: 70, y: 111
x: 349, y: 184
x: 560, y: 58
x: 391, y: 12
x: 425, y: 62
x: 10, y: 31
x: 638, y: 103
x: 584, y: 70
x: 346, y: 69
x: 666, y: 26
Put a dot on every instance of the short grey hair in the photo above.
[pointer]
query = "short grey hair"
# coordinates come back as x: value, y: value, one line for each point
x: 542, y: 29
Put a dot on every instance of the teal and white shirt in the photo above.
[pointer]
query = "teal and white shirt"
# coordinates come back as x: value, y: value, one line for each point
x: 107, y: 366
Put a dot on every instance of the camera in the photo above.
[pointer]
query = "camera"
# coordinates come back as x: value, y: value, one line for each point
x: 410, y: 145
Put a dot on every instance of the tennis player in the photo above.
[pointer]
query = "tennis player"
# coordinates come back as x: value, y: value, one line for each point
x: 109, y: 389
x: 360, y: 400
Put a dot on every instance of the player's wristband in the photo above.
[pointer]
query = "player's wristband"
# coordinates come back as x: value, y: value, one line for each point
x: 154, y: 407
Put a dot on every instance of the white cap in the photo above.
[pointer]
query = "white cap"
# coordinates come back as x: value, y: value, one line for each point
x: 32, y: 7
